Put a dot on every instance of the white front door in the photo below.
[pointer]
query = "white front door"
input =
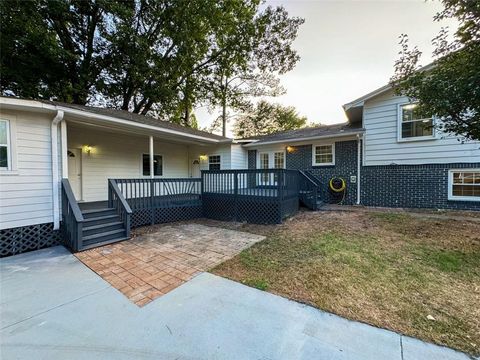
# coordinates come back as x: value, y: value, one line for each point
x: 75, y: 172
x: 195, y: 173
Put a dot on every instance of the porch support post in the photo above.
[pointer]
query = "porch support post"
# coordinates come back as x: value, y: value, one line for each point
x: 152, y: 185
x: 151, y: 158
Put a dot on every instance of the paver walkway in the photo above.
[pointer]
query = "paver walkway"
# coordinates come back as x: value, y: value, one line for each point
x: 151, y: 265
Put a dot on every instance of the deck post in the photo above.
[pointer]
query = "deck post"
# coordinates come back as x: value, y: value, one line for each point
x: 152, y: 185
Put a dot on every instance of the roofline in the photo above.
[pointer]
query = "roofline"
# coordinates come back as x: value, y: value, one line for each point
x: 360, y: 101
x: 33, y: 104
x: 349, y: 133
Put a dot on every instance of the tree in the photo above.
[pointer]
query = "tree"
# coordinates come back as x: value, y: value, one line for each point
x: 262, y: 51
x: 156, y: 57
x: 54, y: 49
x: 267, y: 118
x: 449, y: 88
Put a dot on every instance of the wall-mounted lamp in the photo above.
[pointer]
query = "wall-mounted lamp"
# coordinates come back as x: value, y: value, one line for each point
x: 203, y: 157
x: 290, y: 149
x: 88, y: 149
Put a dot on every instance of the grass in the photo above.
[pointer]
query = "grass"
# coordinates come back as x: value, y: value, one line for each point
x: 388, y: 269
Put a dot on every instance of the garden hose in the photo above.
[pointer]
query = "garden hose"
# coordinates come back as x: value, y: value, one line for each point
x: 338, y: 189
x: 337, y: 184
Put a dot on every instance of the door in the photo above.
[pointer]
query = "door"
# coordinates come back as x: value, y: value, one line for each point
x: 271, y: 160
x: 195, y: 169
x: 75, y: 172
x: 264, y: 163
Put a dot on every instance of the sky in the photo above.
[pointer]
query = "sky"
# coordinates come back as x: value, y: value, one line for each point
x: 347, y: 49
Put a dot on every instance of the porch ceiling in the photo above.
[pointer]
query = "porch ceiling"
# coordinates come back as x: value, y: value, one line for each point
x: 132, y: 129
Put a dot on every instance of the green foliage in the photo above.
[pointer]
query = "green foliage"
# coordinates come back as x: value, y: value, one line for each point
x: 158, y: 57
x: 267, y: 118
x: 449, y: 88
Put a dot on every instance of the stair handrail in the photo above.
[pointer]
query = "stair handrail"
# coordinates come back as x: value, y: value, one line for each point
x: 71, y: 225
x: 309, y: 185
x: 120, y: 204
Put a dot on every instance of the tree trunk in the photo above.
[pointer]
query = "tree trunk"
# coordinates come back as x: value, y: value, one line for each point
x: 224, y: 109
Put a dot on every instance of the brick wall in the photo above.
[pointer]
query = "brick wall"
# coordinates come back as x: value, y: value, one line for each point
x: 412, y: 186
x: 345, y: 166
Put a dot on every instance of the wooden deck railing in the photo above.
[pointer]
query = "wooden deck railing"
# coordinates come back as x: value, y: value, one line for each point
x: 308, y: 190
x: 117, y: 201
x: 72, y: 218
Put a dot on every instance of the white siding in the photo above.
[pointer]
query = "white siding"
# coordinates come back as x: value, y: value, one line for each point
x: 26, y: 192
x: 225, y: 152
x: 238, y: 157
x: 382, y: 148
x: 117, y: 155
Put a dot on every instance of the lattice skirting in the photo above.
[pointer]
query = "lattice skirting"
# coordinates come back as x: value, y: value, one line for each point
x: 26, y: 238
x: 142, y: 217
x: 248, y: 209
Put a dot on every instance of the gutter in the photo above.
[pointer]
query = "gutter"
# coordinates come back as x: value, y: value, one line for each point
x: 351, y: 133
x: 359, y: 177
x: 55, y: 181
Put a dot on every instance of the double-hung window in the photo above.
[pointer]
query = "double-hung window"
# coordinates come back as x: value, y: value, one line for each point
x: 324, y: 154
x: 464, y: 184
x: 157, y: 165
x: 5, y: 151
x: 214, y: 162
x: 414, y: 125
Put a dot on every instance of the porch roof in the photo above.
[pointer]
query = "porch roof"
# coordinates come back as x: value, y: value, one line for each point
x: 112, y: 118
x: 305, y: 134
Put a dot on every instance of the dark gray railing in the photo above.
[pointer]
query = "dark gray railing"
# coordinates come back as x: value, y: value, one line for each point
x: 72, y: 218
x: 255, y: 195
x: 276, y: 183
x: 307, y: 190
x: 158, y: 200
x: 118, y: 202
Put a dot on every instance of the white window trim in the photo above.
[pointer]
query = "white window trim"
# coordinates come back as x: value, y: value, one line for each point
x: 314, y: 160
x: 416, y: 138
x: 155, y: 176
x: 450, y: 186
x: 11, y: 168
x: 271, y: 158
x: 208, y: 160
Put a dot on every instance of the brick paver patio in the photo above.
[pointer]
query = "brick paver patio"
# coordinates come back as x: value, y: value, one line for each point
x: 151, y: 265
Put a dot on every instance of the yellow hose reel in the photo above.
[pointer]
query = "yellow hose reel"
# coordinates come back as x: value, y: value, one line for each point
x: 337, y: 184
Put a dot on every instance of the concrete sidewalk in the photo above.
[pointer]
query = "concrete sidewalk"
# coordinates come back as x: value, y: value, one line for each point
x: 53, y: 307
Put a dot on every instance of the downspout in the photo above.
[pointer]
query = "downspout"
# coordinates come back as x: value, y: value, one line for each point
x: 55, y: 181
x: 359, y: 149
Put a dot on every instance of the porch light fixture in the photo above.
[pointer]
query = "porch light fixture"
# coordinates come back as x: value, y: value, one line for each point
x: 290, y: 149
x: 88, y: 149
x: 203, y: 157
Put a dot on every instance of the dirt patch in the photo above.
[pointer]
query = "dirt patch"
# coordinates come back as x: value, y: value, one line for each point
x: 391, y: 269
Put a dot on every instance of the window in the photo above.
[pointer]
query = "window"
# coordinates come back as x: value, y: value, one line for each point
x: 264, y: 164
x: 464, y: 184
x: 157, y: 165
x: 279, y: 160
x: 4, y: 145
x: 214, y: 162
x: 413, y: 124
x: 324, y: 154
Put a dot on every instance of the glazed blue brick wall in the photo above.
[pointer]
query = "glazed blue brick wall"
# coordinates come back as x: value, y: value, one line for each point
x: 408, y: 186
x: 412, y: 186
x: 345, y: 166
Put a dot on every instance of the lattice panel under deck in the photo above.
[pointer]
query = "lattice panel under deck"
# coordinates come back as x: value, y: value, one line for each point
x: 26, y: 238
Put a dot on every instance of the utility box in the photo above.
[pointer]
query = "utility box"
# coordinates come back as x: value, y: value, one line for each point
x: 353, y: 179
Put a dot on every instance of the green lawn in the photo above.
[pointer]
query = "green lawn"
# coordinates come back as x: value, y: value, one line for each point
x: 390, y: 269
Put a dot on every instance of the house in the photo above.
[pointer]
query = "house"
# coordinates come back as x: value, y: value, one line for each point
x: 43, y: 142
x: 86, y: 175
x: 385, y: 154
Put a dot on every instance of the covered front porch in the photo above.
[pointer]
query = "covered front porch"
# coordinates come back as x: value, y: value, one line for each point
x: 117, y: 179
